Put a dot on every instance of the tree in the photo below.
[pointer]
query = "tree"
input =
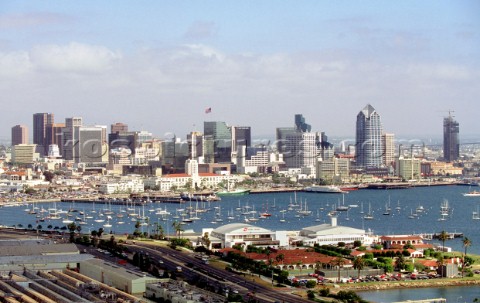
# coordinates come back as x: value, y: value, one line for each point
x: 359, y: 263
x: 339, y: 262
x: 466, y: 243
x: 400, y: 263
x: 178, y: 228
x: 72, y: 227
x: 443, y: 236
x: 206, y: 240
x: 279, y: 258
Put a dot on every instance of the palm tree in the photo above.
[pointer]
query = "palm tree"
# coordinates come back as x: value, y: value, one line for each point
x: 178, y: 228
x: 442, y: 237
x: 279, y: 258
x: 359, y: 263
x: 466, y: 243
x: 339, y: 262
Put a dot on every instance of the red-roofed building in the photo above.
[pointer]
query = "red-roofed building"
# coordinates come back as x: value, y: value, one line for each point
x: 192, y: 177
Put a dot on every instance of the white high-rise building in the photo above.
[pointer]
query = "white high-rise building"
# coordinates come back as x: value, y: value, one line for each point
x: 301, y: 150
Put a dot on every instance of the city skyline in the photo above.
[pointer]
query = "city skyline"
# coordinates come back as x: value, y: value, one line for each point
x: 159, y: 71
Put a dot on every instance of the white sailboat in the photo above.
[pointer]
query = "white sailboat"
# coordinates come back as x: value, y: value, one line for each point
x: 369, y: 215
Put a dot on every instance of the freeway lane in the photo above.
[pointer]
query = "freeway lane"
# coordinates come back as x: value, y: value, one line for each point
x: 244, y: 285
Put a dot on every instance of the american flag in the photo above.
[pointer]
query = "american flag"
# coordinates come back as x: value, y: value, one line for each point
x: 208, y: 110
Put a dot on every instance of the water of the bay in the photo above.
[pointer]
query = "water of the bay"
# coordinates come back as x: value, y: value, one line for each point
x: 430, y: 198
x: 453, y: 294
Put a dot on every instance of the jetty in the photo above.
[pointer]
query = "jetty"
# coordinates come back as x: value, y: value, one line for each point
x: 436, y: 300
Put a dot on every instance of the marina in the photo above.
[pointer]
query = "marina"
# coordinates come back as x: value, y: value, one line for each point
x: 421, y: 207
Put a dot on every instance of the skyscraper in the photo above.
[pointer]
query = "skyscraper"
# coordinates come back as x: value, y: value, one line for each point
x: 388, y: 149
x: 118, y: 127
x: 368, y: 144
x: 71, y: 139
x: 221, y: 135
x: 301, y: 125
x: 451, y: 144
x: 40, y: 122
x: 19, y: 135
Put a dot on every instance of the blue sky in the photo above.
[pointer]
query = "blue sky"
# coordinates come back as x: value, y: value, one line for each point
x: 157, y: 65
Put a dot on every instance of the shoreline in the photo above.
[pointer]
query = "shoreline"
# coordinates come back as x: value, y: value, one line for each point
x: 411, y: 284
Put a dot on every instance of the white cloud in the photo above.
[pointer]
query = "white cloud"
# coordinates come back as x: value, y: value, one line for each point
x: 74, y: 57
x: 167, y: 89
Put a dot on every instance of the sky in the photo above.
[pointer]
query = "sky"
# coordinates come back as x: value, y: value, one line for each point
x: 157, y: 65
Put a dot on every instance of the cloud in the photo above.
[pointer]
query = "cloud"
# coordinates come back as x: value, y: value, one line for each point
x: 167, y: 89
x: 201, y: 30
x: 31, y: 19
x: 73, y: 57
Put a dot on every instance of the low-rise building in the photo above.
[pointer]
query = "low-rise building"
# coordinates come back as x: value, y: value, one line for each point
x: 241, y: 234
x: 116, y: 276
x: 331, y: 234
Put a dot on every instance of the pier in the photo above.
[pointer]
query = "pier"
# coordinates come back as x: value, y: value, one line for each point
x: 437, y: 300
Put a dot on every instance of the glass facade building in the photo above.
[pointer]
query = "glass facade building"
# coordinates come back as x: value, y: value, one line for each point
x: 368, y: 143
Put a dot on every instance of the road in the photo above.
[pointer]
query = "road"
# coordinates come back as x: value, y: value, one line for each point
x: 244, y: 285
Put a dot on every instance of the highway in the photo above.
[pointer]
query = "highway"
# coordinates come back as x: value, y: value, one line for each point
x: 244, y: 285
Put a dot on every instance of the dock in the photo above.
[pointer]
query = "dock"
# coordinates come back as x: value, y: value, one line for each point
x: 436, y: 300
x: 431, y: 236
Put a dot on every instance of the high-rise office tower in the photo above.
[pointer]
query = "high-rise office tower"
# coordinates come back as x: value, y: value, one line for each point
x: 19, y: 135
x: 241, y: 136
x: 71, y: 139
x: 301, y: 150
x: 300, y: 124
x: 368, y: 143
x: 451, y: 143
x: 221, y: 135
x: 40, y: 122
x: 92, y: 146
x: 388, y: 149
x: 118, y: 127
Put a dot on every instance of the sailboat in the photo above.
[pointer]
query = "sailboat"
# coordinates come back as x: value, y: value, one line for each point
x: 476, y: 214
x: 342, y: 207
x: 282, y: 220
x: 369, y: 215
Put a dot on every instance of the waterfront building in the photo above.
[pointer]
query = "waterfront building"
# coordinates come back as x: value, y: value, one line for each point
x: 331, y: 234
x: 128, y: 184
x: 388, y: 143
x: 19, y: 135
x: 71, y: 137
x: 40, y: 122
x: 436, y: 168
x: 334, y: 170
x: 221, y: 135
x: 24, y: 153
x: 242, y: 234
x: 182, y: 180
x: 368, y: 143
x: 451, y: 144
x: 408, y: 168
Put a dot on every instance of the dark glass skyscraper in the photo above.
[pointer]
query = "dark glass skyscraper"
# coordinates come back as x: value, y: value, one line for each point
x: 368, y: 145
x: 221, y: 135
x: 40, y: 122
x: 451, y: 144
